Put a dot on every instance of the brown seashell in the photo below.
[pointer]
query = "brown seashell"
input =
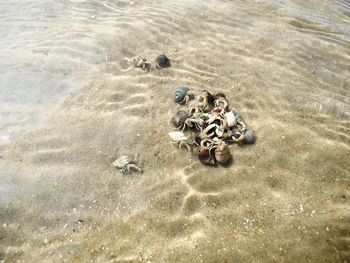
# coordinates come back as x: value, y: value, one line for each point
x: 205, y: 157
x: 179, y: 119
x: 222, y: 154
x: 210, y: 99
x: 219, y: 95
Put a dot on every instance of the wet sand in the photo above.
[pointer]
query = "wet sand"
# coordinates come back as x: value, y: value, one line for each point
x: 284, y: 66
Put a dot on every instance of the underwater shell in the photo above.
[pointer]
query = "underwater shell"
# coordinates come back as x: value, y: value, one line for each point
x: 122, y: 161
x: 218, y: 95
x: 163, y: 61
x: 249, y: 137
x: 222, y: 154
x: 205, y: 157
x: 177, y: 136
x: 179, y: 94
x: 231, y: 119
x: 237, y: 114
x: 179, y: 119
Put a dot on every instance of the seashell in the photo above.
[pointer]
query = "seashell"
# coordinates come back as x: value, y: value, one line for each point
x: 231, y: 119
x: 197, y: 140
x: 179, y: 119
x: 237, y: 115
x: 221, y: 102
x: 219, y: 95
x: 126, y: 164
x: 179, y: 94
x: 210, y: 98
x: 205, y: 157
x: 122, y: 161
x: 177, y: 136
x: 222, y: 154
x: 162, y: 61
x: 206, y: 100
x: 249, y: 137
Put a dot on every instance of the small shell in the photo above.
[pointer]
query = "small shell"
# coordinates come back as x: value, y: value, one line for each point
x: 237, y: 115
x: 177, y: 136
x: 179, y: 119
x: 231, y: 119
x: 222, y: 154
x: 210, y: 98
x: 249, y: 137
x: 122, y: 161
x: 219, y: 95
x: 179, y: 94
x: 162, y: 61
x: 205, y: 157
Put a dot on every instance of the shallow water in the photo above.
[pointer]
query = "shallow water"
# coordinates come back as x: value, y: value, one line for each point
x: 70, y: 104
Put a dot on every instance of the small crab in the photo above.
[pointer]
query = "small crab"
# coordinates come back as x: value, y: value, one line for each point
x: 181, y: 140
x: 221, y: 102
x: 125, y: 164
x: 141, y: 62
x: 196, y: 122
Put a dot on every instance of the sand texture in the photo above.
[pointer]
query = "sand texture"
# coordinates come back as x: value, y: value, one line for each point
x: 71, y: 104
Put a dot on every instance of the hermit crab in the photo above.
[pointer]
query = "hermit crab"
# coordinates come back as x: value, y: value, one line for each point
x: 215, y: 123
x: 125, y: 164
x: 162, y: 61
x: 182, y: 95
x: 140, y: 62
x: 213, y: 150
x: 181, y: 140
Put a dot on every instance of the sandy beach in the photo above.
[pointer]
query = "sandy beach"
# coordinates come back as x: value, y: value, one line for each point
x: 71, y: 104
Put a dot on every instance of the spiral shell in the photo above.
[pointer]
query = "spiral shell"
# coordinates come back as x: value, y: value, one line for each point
x: 205, y: 157
x: 180, y: 94
x: 179, y: 119
x: 222, y: 154
x: 249, y: 137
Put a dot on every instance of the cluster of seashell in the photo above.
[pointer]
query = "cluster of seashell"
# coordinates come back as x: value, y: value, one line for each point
x: 214, y: 122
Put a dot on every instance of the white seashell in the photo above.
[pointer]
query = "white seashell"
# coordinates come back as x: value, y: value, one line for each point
x: 177, y: 136
x: 231, y: 119
x: 122, y: 161
x: 126, y: 164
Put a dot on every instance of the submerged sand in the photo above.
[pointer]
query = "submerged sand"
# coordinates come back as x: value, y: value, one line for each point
x: 284, y: 66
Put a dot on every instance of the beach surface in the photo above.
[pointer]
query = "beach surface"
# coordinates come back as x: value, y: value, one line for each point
x: 70, y: 104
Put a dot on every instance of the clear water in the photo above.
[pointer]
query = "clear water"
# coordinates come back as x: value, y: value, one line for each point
x: 70, y: 104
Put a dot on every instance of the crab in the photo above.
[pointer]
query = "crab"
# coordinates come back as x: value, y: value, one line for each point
x: 204, y: 100
x: 214, y: 130
x: 236, y: 136
x: 125, y: 164
x: 140, y: 62
x: 181, y: 140
x: 195, y: 122
x: 221, y: 102
x: 216, y: 125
